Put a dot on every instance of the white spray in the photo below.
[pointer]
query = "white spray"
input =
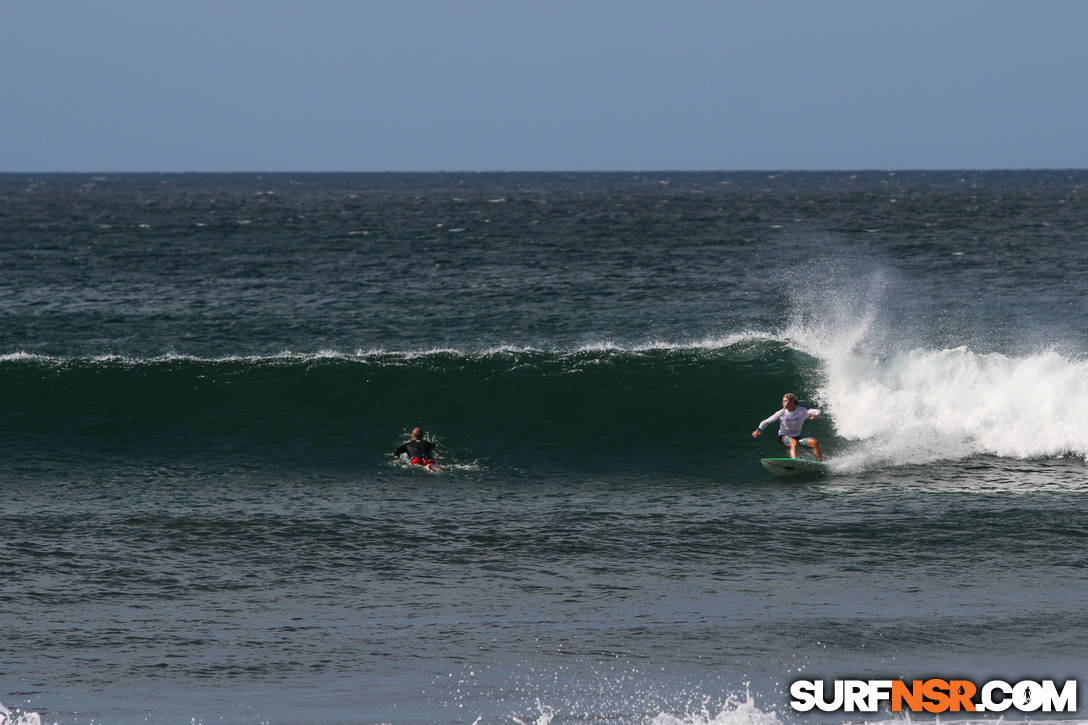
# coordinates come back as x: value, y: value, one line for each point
x: 903, y: 404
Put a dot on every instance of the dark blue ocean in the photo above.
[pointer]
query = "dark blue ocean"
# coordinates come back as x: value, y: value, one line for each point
x: 203, y: 378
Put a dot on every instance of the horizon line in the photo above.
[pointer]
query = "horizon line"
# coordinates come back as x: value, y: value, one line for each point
x: 859, y: 170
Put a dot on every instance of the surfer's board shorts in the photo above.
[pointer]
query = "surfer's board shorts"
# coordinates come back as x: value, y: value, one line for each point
x: 785, y: 439
x: 417, y: 461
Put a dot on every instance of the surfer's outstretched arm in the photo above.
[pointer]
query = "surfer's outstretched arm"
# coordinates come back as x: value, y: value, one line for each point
x: 765, y: 423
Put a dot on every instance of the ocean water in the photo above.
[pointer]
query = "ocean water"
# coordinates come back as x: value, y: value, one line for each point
x: 202, y: 379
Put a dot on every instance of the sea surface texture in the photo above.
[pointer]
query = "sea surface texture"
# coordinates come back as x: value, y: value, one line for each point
x: 203, y: 378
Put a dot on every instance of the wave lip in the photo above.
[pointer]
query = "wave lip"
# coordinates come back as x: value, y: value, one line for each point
x: 361, y: 354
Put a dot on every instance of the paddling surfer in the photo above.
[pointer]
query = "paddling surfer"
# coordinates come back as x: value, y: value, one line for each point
x: 419, y: 451
x: 791, y: 417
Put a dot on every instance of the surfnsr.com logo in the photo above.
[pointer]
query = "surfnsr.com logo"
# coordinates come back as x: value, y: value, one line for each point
x: 933, y: 695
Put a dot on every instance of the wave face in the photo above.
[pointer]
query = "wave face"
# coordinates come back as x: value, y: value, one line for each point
x: 660, y: 407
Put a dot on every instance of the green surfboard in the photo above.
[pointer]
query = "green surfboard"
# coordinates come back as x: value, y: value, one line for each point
x: 794, y: 466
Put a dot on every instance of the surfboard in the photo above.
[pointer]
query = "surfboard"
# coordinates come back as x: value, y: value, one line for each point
x: 794, y: 466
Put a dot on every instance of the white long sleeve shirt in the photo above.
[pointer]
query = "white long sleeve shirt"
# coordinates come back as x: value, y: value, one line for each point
x: 790, y: 422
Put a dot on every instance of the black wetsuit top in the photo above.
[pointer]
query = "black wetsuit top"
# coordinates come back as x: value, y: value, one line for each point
x: 416, y: 449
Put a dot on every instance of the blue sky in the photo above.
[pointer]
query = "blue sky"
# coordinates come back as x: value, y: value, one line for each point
x: 376, y: 85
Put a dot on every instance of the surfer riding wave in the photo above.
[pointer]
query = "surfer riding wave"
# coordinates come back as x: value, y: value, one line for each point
x: 791, y: 417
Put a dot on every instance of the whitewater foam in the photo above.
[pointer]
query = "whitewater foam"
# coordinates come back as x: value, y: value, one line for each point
x: 925, y: 405
x: 919, y: 403
x: 7, y: 717
x: 735, y: 711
